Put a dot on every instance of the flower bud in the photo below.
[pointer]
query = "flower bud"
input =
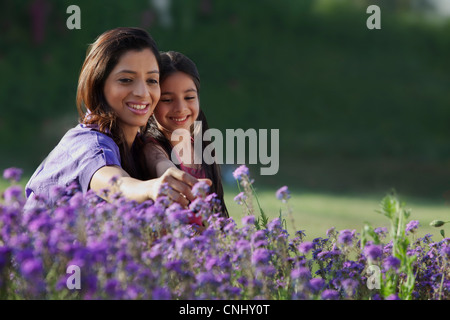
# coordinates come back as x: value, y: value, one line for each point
x: 437, y: 223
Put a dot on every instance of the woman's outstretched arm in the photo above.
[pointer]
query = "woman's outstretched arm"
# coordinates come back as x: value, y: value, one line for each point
x: 138, y: 190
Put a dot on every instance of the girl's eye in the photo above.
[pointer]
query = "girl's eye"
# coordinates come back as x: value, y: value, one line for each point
x: 165, y: 100
x: 124, y: 80
x: 190, y: 98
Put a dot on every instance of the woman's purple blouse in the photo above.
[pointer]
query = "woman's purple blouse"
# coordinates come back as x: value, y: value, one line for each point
x: 80, y: 153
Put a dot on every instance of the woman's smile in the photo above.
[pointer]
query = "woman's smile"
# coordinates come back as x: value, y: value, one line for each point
x: 138, y: 108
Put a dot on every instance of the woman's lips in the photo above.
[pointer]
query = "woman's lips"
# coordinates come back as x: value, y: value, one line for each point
x: 138, y: 108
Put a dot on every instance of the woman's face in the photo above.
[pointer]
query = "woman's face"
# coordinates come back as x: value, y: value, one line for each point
x: 132, y: 90
x: 179, y: 106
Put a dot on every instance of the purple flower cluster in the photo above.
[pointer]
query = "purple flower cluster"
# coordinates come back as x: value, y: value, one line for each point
x: 283, y: 194
x: 150, y: 250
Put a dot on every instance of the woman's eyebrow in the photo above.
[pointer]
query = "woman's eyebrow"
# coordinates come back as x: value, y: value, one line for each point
x: 134, y: 72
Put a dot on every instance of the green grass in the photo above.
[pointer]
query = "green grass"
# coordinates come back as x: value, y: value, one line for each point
x: 317, y: 212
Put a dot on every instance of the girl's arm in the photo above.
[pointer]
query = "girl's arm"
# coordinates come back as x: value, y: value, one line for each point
x: 156, y: 160
x: 139, y: 190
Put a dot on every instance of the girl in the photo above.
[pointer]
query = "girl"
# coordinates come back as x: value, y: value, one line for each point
x: 118, y: 89
x: 178, y: 108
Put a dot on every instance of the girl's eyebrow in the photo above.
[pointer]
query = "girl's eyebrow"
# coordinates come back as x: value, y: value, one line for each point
x: 134, y: 72
x: 186, y: 91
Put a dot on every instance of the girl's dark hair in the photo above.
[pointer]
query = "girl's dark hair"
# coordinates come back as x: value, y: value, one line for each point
x: 102, y: 56
x: 172, y: 62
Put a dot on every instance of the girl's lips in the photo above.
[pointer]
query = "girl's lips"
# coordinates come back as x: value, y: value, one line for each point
x: 179, y: 120
x: 138, y: 108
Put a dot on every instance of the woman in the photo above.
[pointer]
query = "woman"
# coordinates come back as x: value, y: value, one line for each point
x: 118, y: 89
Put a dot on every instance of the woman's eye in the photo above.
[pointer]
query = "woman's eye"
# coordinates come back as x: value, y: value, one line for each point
x: 152, y: 81
x: 124, y: 80
x: 165, y: 100
x: 190, y: 98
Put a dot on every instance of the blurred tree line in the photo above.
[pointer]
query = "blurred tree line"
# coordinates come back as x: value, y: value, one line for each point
x: 357, y: 109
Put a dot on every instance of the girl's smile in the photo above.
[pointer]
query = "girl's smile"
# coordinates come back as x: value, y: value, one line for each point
x: 178, y: 107
x: 179, y: 121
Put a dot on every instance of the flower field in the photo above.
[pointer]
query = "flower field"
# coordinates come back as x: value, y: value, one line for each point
x: 126, y: 250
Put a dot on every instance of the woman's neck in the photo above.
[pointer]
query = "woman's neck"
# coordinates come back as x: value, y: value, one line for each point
x: 129, y: 134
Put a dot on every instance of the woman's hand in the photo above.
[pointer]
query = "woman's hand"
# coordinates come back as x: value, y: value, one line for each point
x: 180, y: 184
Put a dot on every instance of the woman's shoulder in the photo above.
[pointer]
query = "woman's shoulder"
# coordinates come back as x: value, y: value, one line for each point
x: 88, y: 136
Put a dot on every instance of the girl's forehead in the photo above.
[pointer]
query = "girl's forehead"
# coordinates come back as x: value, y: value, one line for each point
x: 178, y: 79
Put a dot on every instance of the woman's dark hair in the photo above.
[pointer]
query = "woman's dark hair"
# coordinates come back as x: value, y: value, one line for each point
x: 172, y: 62
x: 102, y: 56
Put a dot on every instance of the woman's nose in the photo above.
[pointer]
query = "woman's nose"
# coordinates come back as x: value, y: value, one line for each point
x: 140, y: 89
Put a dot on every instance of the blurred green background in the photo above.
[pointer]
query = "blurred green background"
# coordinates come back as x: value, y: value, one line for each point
x: 359, y: 110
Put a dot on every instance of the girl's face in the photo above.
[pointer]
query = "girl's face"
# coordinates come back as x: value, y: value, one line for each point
x: 179, y: 106
x: 132, y: 90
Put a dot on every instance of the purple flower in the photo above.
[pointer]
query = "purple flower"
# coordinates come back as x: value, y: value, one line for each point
x: 283, y: 194
x: 198, y: 205
x: 393, y: 297
x: 184, y: 244
x: 164, y: 189
x: 112, y: 287
x: 260, y: 255
x: 31, y: 268
x: 350, y: 286
x: 204, y: 278
x: 248, y: 220
x: 381, y: 231
x: 240, y: 198
x: 316, y: 284
x: 176, y: 215
x: 412, y: 226
x: 305, y: 247
x: 161, y: 294
x: 391, y: 263
x: 77, y: 201
x: 200, y: 189
x: 330, y: 294
x: 373, y: 252
x: 13, y: 193
x: 241, y: 172
x: 274, y: 225
x: 56, y: 192
x: 445, y: 251
x: 346, y: 237
x: 330, y: 231
x: 300, y: 273
x: 12, y: 174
